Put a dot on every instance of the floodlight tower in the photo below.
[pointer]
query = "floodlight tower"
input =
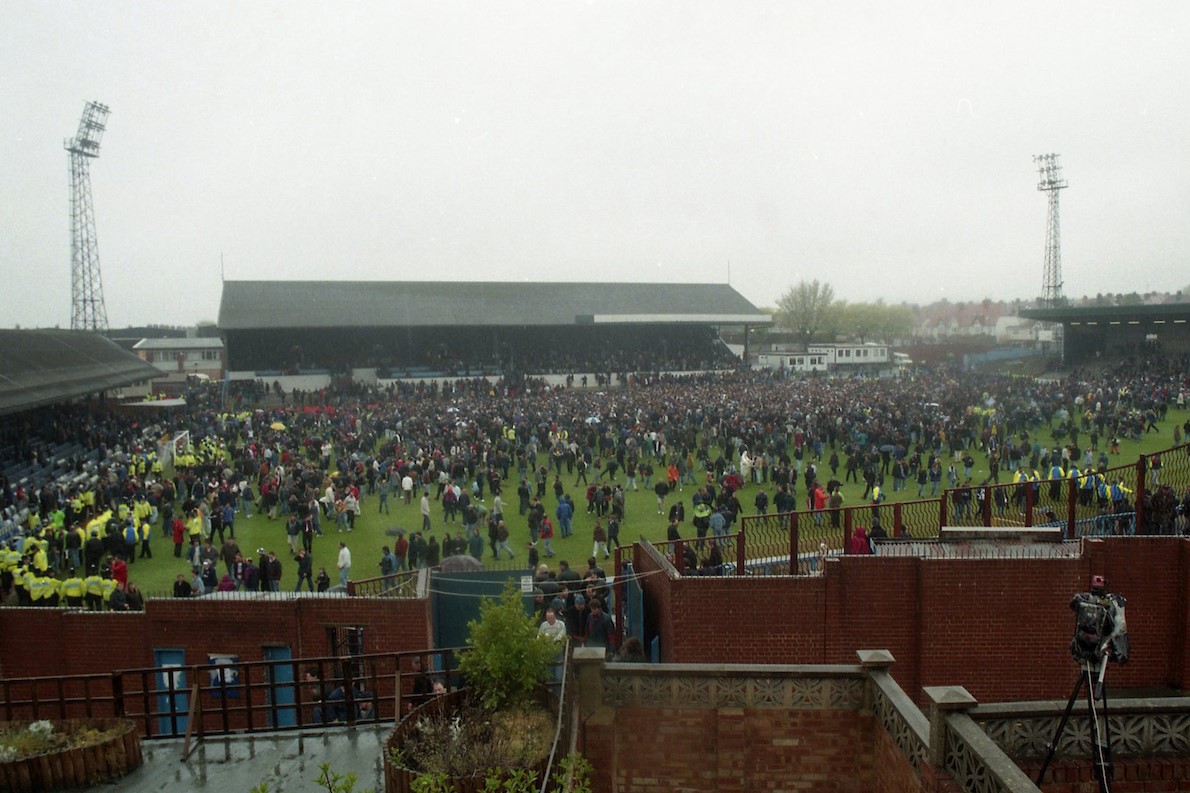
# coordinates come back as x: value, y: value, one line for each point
x: 1051, y: 182
x: 86, y: 286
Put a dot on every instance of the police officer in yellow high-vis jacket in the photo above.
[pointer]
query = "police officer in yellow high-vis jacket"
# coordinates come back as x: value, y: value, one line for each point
x: 94, y: 596
x: 109, y: 586
x: 73, y: 589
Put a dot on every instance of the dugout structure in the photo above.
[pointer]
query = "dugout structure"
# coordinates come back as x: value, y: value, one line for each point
x: 1093, y: 332
x: 469, y: 328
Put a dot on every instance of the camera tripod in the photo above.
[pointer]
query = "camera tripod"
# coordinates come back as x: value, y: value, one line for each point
x: 1100, y: 728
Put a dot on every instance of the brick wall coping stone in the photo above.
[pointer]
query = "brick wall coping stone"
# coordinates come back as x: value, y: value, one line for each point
x: 700, y: 686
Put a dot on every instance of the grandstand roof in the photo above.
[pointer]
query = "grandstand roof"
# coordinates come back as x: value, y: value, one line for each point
x: 251, y: 305
x: 1135, y: 314
x: 40, y: 367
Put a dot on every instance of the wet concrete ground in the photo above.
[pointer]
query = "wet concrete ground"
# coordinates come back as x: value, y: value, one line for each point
x: 288, y: 761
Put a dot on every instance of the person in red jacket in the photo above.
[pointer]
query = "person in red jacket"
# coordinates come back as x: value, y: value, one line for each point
x: 179, y: 531
x: 546, y: 533
x: 858, y: 544
x: 401, y: 551
x: 120, y: 571
x: 818, y: 501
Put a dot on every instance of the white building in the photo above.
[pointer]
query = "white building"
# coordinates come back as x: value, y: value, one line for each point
x: 842, y: 358
x: 182, y: 357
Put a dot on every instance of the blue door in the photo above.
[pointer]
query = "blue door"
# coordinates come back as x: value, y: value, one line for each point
x: 173, y: 699
x: 280, y: 694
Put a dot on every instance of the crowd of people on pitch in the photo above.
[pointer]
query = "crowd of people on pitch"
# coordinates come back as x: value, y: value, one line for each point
x: 314, y: 464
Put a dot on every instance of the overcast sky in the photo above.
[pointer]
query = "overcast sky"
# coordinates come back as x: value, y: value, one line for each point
x: 883, y: 147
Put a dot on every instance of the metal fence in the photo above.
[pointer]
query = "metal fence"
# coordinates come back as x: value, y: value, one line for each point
x: 405, y: 584
x: 798, y: 542
x: 248, y: 696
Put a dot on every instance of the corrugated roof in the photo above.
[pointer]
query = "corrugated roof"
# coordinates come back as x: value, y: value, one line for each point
x: 40, y: 367
x: 352, y: 304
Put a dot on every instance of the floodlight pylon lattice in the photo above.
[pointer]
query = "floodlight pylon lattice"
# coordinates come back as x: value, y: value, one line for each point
x: 86, y: 285
x: 1051, y: 181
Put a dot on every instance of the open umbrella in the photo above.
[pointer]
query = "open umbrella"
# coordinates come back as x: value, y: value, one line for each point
x: 460, y: 563
x: 276, y: 425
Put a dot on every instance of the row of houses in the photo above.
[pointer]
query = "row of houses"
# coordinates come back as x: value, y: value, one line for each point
x: 994, y: 320
x: 1000, y: 320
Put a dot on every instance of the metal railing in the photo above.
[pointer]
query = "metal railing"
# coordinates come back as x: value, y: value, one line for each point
x: 797, y: 542
x: 68, y: 696
x: 405, y: 584
x: 241, y: 696
x: 566, y: 729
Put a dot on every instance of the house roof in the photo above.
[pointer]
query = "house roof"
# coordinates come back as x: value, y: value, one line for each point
x: 251, y: 305
x: 40, y: 367
x: 201, y: 343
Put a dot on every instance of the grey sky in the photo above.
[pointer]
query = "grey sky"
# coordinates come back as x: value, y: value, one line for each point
x: 884, y: 147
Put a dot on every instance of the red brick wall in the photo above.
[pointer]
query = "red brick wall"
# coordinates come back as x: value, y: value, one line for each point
x: 1153, y: 775
x: 778, y: 619
x: 874, y: 602
x: 1183, y: 659
x: 659, y: 620
x: 1000, y: 627
x: 892, y: 773
x: 732, y: 749
x: 40, y: 642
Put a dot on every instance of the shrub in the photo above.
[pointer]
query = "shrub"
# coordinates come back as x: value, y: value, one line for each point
x: 508, y: 661
x: 472, y: 741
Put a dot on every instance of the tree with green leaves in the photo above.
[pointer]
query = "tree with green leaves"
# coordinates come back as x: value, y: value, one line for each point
x: 808, y: 309
x: 877, y: 322
x: 508, y: 660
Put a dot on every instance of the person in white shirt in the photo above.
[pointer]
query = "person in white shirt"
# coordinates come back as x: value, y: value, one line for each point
x: 552, y: 627
x: 555, y: 629
x: 328, y: 500
x: 344, y: 564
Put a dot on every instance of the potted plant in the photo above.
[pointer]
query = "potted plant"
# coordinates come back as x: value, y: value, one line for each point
x: 68, y: 753
x: 501, y: 720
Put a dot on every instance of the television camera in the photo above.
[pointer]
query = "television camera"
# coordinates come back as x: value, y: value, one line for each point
x: 1100, y: 629
x: 1100, y: 635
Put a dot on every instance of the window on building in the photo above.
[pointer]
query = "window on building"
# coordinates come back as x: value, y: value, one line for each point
x: 345, y: 642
